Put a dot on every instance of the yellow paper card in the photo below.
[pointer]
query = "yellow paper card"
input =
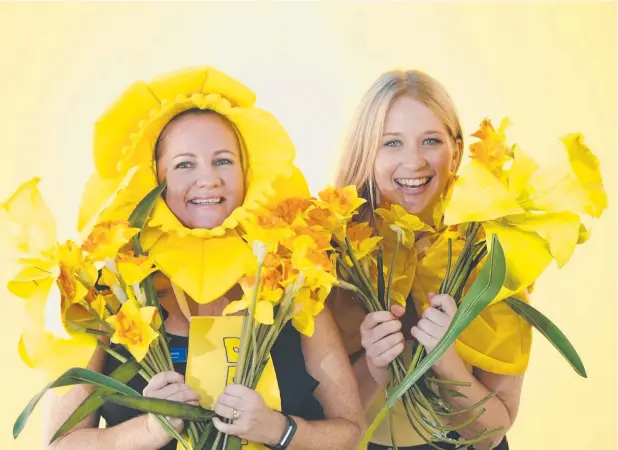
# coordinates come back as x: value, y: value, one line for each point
x: 214, y: 344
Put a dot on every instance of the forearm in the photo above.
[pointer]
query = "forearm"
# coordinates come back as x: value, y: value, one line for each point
x: 130, y: 435
x: 329, y: 434
x: 496, y: 414
x: 371, y: 380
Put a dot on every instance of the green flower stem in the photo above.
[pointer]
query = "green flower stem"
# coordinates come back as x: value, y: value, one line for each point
x: 420, y: 398
x: 194, y: 433
x: 390, y: 274
x: 249, y: 322
x: 419, y: 418
x: 161, y: 359
x: 166, y: 351
x: 471, y: 407
x: 359, y: 269
x: 448, y: 382
x: 408, y: 409
x: 215, y: 444
x: 96, y: 332
x: 391, y: 423
x: 96, y: 317
x: 369, y: 304
x: 449, y: 261
x: 464, y: 260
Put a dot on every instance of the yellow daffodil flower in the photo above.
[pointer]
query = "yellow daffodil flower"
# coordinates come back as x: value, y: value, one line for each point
x: 133, y: 269
x: 321, y: 217
x: 48, y: 282
x: 342, y: 202
x: 133, y: 327
x: 532, y: 210
x: 361, y: 240
x: 306, y: 308
x: 397, y: 218
x: 491, y: 150
x: 316, y: 265
x: 269, y: 294
x: 292, y: 210
x: 268, y: 229
x: 107, y: 238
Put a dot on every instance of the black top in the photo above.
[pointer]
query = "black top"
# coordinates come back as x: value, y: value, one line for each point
x: 295, y: 384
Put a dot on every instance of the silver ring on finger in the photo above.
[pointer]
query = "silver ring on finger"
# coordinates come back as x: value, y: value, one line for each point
x: 235, y: 415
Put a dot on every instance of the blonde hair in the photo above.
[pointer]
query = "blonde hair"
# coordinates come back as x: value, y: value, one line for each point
x: 365, y: 133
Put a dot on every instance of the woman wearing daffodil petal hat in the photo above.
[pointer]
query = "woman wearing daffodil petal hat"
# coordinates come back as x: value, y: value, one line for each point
x: 220, y: 156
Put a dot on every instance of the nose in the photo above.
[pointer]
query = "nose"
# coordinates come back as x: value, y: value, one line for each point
x: 414, y: 159
x: 208, y: 178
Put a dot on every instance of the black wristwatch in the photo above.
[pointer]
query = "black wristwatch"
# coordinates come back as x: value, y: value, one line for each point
x: 287, y: 436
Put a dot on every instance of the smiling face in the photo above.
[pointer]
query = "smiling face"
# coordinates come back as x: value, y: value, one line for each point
x: 199, y: 155
x: 416, y: 159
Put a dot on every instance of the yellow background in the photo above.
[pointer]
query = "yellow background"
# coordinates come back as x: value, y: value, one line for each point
x: 550, y: 67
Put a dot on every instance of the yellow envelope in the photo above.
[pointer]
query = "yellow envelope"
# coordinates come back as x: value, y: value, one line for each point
x: 214, y: 343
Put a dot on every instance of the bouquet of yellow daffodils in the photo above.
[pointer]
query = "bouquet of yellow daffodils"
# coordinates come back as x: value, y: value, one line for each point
x: 364, y: 270
x: 293, y: 275
x: 77, y: 294
x: 536, y: 212
x: 502, y: 198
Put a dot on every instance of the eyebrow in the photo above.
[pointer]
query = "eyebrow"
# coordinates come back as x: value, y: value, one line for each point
x: 218, y: 152
x: 394, y: 133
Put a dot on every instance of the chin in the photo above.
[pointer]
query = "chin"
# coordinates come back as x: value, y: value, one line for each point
x: 207, y: 224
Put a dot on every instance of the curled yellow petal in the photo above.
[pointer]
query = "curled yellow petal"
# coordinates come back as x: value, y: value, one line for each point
x: 133, y: 269
x: 479, y: 196
x: 264, y: 312
x: 587, y: 170
x: 527, y: 254
x: 578, y: 189
x: 560, y: 230
x: 32, y: 223
x: 234, y: 307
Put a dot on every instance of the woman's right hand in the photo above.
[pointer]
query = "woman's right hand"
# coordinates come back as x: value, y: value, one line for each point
x: 168, y: 386
x: 382, y: 339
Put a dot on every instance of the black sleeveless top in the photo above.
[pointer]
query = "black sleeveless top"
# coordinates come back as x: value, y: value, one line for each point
x: 295, y: 384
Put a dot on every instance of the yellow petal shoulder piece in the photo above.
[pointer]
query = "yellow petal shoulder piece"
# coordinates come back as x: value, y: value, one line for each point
x: 125, y: 137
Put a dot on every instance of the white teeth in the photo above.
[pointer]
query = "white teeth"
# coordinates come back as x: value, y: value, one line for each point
x: 206, y: 201
x: 413, y: 182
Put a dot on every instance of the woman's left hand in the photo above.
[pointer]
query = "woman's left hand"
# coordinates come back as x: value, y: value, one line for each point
x: 254, y: 420
x: 434, y: 323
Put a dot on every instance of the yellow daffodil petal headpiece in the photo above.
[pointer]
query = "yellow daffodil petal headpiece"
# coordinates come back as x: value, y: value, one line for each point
x: 125, y: 137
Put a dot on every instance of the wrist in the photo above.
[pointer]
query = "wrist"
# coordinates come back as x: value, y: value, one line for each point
x: 379, y: 374
x: 154, y: 431
x: 279, y: 428
x: 286, y: 438
x: 449, y: 365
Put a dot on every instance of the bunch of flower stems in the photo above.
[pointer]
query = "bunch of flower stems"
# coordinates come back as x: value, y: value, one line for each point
x: 256, y: 342
x: 424, y: 406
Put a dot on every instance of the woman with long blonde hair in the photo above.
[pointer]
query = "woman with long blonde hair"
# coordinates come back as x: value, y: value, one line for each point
x: 404, y: 147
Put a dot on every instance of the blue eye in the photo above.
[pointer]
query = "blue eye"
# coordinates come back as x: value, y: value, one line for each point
x: 393, y: 143
x: 432, y: 141
x: 222, y: 161
x: 183, y: 165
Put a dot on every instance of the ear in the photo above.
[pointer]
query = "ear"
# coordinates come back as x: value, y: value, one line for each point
x: 457, y: 155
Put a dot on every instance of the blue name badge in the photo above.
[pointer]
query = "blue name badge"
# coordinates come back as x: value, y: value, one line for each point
x: 179, y: 355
